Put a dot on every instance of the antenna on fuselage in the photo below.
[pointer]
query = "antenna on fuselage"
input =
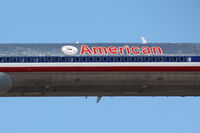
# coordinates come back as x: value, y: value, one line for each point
x: 143, y: 40
x: 98, y: 99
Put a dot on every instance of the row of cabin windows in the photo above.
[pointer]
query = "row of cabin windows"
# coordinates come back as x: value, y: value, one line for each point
x: 98, y: 59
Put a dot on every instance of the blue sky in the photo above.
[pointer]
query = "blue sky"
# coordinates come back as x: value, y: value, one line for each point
x: 55, y: 21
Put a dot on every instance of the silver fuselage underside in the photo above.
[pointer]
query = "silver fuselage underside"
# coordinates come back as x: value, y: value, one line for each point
x: 105, y: 84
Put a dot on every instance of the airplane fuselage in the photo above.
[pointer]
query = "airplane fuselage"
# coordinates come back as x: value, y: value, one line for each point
x: 97, y: 69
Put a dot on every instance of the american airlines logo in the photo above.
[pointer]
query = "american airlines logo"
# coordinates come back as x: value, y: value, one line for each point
x: 134, y: 50
x: 121, y: 50
x: 69, y: 50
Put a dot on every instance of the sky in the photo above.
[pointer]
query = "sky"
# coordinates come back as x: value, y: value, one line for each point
x: 69, y: 21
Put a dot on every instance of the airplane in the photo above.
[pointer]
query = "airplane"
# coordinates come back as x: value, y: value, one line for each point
x: 99, y: 69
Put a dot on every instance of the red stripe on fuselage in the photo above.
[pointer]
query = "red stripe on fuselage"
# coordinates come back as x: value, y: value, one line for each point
x: 99, y: 69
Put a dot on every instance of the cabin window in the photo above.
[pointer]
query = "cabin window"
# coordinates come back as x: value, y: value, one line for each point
x: 98, y: 59
x: 14, y: 59
x: 174, y: 59
x: 21, y: 59
x: 160, y: 59
x: 49, y: 59
x: 105, y: 58
x: 118, y: 58
x: 35, y: 59
x: 182, y: 59
x: 42, y: 59
x: 111, y: 58
x: 84, y: 59
x: 7, y: 59
x: 126, y: 59
x: 91, y: 59
x: 132, y: 59
x: 140, y: 59
x: 28, y: 59
x: 167, y: 59
x: 154, y: 59
x: 1, y: 59
x: 147, y: 59
x: 63, y: 59
x: 77, y: 59
x: 56, y: 59
x: 70, y: 59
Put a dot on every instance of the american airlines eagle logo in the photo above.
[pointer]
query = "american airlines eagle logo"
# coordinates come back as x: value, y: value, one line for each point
x: 69, y: 50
